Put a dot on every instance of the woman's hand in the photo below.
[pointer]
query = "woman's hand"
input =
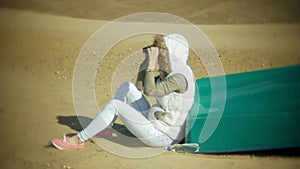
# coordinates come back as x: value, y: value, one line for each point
x: 152, y: 56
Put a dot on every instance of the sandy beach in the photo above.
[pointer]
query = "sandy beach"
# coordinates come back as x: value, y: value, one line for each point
x: 41, y: 40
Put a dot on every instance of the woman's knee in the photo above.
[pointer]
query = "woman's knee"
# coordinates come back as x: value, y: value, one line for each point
x: 128, y: 85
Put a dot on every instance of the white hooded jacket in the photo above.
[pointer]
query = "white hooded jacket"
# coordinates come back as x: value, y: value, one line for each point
x: 176, y: 105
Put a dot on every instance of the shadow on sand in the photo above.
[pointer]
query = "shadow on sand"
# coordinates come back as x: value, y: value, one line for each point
x: 122, y: 135
x: 78, y: 123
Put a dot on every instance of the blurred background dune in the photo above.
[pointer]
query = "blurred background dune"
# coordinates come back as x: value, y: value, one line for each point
x: 40, y: 41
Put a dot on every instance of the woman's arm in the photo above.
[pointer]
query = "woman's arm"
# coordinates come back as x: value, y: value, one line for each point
x: 148, y: 64
x: 141, y: 75
x: 175, y: 83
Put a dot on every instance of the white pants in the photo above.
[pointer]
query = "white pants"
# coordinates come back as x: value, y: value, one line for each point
x: 132, y: 108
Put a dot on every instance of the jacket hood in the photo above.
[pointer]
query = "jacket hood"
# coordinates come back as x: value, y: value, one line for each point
x: 178, y: 49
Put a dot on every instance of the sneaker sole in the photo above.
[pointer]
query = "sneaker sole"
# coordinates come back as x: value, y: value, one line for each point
x: 57, y: 146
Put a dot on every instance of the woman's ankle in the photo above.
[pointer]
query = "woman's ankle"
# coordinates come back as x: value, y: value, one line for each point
x: 76, y: 139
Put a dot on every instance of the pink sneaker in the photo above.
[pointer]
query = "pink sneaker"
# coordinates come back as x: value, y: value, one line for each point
x: 64, y: 143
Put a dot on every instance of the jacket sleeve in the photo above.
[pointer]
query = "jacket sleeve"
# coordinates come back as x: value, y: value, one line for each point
x: 174, y: 83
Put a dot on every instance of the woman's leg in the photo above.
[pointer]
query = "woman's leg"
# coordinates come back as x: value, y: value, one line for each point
x: 127, y: 93
x: 131, y: 115
x: 135, y: 117
x: 102, y: 121
x: 99, y: 123
x: 140, y: 126
x: 134, y: 121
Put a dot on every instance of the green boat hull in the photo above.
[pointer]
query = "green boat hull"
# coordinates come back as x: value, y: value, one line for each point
x: 255, y: 111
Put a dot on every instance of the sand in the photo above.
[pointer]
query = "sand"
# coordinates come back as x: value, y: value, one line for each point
x: 39, y: 47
